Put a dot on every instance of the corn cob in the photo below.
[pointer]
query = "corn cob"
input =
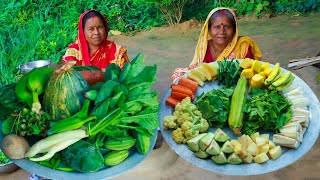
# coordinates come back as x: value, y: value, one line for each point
x: 238, y: 100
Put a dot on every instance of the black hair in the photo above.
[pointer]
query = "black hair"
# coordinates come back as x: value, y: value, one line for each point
x: 227, y: 13
x: 94, y: 13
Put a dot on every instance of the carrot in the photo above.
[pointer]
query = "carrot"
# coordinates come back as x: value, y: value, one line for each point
x: 181, y: 89
x: 172, y: 102
x: 188, y: 83
x: 179, y: 96
x: 92, y: 76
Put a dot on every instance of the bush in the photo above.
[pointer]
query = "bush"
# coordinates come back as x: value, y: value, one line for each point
x: 33, y: 30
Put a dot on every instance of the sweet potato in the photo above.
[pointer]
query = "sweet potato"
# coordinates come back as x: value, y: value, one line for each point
x: 92, y: 76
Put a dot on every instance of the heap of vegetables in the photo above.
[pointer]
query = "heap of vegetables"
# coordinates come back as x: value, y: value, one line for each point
x: 99, y: 125
x: 261, y: 106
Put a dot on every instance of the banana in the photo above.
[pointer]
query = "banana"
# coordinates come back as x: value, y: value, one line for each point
x: 22, y: 91
x: 284, y: 86
x: 36, y: 83
x: 283, y: 79
x: 273, y: 74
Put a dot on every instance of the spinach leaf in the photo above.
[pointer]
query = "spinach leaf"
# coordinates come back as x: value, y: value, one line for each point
x: 105, y: 91
x: 265, y: 110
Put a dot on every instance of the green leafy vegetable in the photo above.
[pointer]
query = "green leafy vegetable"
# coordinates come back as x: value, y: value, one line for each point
x: 215, y: 106
x: 229, y: 72
x: 266, y: 110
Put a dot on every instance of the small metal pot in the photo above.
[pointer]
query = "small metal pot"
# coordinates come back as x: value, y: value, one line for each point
x: 34, y: 64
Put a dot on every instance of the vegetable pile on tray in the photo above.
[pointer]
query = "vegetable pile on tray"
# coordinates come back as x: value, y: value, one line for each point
x: 85, y: 119
x: 252, y: 97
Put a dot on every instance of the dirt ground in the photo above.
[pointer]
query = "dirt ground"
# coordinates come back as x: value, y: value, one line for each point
x: 280, y: 40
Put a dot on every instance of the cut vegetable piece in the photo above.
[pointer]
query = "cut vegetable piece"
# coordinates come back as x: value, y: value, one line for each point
x: 257, y: 80
x: 248, y: 73
x: 195, y: 78
x: 196, y: 72
x: 181, y: 89
x: 172, y: 101
x: 205, y: 72
x: 256, y: 66
x: 193, y: 144
x: 219, y: 159
x: 261, y: 141
x: 201, y: 154
x: 220, y: 136
x: 261, y: 158
x: 248, y: 159
x: 254, y: 136
x: 264, y: 149
x: 253, y: 149
x: 234, y: 159
x: 271, y: 144
x: 191, y: 84
x: 211, y: 68
x: 227, y: 147
x: 246, y: 63
x: 265, y: 66
x: 213, y: 148
x: 179, y: 96
x: 205, y: 141
x: 275, y: 153
x: 285, y: 141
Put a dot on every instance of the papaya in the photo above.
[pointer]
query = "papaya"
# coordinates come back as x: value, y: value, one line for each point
x: 36, y: 83
x: 23, y: 93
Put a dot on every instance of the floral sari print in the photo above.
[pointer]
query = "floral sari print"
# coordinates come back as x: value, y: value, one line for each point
x: 237, y: 48
x: 107, y: 53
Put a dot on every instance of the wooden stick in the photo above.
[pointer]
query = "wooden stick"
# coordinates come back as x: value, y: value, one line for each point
x: 300, y: 63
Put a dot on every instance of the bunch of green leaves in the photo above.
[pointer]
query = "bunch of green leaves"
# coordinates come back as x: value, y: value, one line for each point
x: 8, y: 101
x: 3, y: 158
x: 215, y: 106
x: 127, y: 98
x: 229, y: 72
x: 265, y: 110
x: 27, y: 123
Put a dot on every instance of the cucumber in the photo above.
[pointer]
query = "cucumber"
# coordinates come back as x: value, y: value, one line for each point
x: 142, y: 143
x: 120, y: 143
x: 115, y: 157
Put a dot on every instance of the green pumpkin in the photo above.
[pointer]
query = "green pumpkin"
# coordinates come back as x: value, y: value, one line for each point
x: 63, y: 95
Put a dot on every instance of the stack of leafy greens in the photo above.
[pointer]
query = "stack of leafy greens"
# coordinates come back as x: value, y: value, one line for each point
x: 215, y: 106
x: 124, y: 107
x: 266, y: 110
x: 129, y: 91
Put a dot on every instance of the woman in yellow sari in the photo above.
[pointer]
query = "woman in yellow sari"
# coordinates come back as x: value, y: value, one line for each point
x: 219, y: 39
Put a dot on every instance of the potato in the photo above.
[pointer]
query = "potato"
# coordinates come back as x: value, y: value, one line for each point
x: 14, y: 146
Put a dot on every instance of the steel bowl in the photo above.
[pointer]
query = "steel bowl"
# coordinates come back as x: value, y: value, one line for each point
x: 34, y: 64
x: 8, y: 167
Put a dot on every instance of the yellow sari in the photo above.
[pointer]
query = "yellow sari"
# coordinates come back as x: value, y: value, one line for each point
x: 237, y: 48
